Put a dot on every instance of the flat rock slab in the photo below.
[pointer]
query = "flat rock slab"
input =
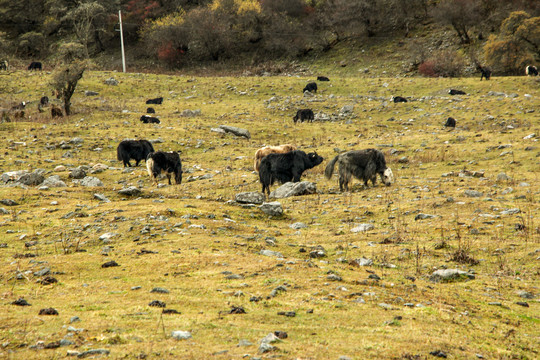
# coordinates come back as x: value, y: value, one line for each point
x: 294, y: 189
x: 236, y: 131
x: 450, y: 275
x: 252, y: 197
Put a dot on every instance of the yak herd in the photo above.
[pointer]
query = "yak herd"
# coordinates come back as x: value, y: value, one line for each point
x: 282, y: 163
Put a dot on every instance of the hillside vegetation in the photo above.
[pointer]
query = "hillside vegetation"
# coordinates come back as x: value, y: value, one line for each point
x: 464, y: 198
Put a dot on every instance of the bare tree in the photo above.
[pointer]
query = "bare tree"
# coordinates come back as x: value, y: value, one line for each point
x: 460, y: 14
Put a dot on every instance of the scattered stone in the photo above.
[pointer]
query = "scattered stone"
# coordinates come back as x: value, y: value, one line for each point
x: 252, y: 197
x: 424, y: 216
x: 130, y: 191
x: 108, y: 264
x: 90, y: 181
x: 503, y: 177
x: 294, y: 189
x: 157, y: 303
x: 361, y: 262
x: 439, y: 353
x: 271, y: 253
x: 473, y: 193
x: 244, y: 342
x: 53, y: 181
x: 522, y: 303
x: 48, y: 311
x: 236, y: 131
x: 42, y: 272
x: 510, y: 211
x: 272, y: 208
x: 190, y: 113
x: 74, y: 319
x: 266, y: 347
x: 334, y: 277
x: 170, y: 311
x: 111, y: 81
x: 362, y: 228
x: 385, y: 306
x: 101, y: 197
x: 298, y: 226
x: 47, y: 280
x: 317, y: 252
x: 20, y: 302
x: 278, y: 290
x: 237, y: 310
x: 287, y: 313
x: 32, y: 179
x: 281, y: 334
x: 77, y: 173
x: 93, y: 352
x: 448, y: 275
x: 159, y: 290
x: 181, y: 335
x: 90, y: 93
x: 8, y: 202
x: 525, y: 294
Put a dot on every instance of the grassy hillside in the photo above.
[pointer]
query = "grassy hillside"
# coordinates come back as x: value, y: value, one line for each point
x: 205, y: 249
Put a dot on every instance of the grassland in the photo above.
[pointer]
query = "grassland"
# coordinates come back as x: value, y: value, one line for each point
x: 190, y: 238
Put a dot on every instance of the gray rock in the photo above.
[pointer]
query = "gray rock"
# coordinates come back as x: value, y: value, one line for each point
x: 101, y: 197
x: 159, y: 290
x: 3, y: 211
x: 181, y: 335
x: 511, y: 211
x: 32, y: 179
x: 12, y: 176
x: 244, y: 342
x: 424, y: 216
x: 503, y: 177
x: 130, y: 191
x: 77, y: 173
x: 334, y: 277
x: 473, y: 193
x: 269, y: 339
x: 362, y: 227
x: 265, y: 347
x: 8, y: 202
x: 111, y: 81
x: 190, y: 113
x: 90, y: 93
x: 66, y: 342
x: 362, y: 262
x: 447, y: 275
x: 90, y: 181
x: 298, y: 226
x: 294, y: 189
x: 236, y: 131
x: 271, y: 253
x: 525, y: 294
x: 42, y: 272
x: 108, y: 236
x: 74, y: 319
x: 252, y: 197
x: 92, y: 352
x: 347, y: 109
x: 272, y: 208
x: 53, y: 181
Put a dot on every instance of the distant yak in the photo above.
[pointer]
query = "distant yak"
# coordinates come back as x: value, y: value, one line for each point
x: 35, y: 65
x: 450, y: 122
x: 322, y: 78
x: 363, y: 165
x: 149, y: 119
x: 457, y: 92
x: 164, y: 162
x: 399, y: 99
x: 304, y: 114
x: 133, y: 149
x: 531, y: 70
x: 157, y: 101
x: 311, y: 87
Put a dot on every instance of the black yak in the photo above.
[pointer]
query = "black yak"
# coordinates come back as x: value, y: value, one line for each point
x: 35, y: 65
x: 149, y: 119
x: 450, y: 122
x: 311, y: 87
x: 399, y: 99
x: 286, y: 167
x: 164, y: 162
x: 4, y: 65
x: 133, y: 149
x: 485, y: 72
x: 150, y: 110
x: 456, y: 92
x: 304, y: 114
x: 363, y: 165
x: 531, y: 70
x: 322, y: 78
x: 262, y: 152
x: 157, y: 101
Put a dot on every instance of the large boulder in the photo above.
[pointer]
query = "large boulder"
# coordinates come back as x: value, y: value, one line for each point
x: 294, y: 189
x: 53, y: 181
x: 90, y: 181
x: 450, y: 275
x: 272, y: 208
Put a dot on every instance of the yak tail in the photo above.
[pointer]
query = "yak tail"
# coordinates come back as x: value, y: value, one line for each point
x: 119, y: 153
x: 150, y: 167
x: 330, y: 167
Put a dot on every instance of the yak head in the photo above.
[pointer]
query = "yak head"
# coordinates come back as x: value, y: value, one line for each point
x: 315, y: 159
x: 387, y: 177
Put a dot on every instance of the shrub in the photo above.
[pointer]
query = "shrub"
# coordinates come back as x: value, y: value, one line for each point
x: 446, y: 63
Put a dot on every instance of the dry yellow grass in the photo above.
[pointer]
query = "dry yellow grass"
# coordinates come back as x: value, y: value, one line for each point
x: 190, y: 261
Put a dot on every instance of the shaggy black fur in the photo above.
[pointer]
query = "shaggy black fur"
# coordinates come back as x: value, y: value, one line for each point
x: 150, y: 119
x: 286, y: 167
x: 157, y: 101
x: 531, y: 70
x: 456, y: 92
x: 322, y: 78
x: 304, y: 114
x: 398, y: 99
x: 450, y: 122
x: 133, y: 149
x: 167, y: 162
x: 311, y: 87
x: 362, y: 164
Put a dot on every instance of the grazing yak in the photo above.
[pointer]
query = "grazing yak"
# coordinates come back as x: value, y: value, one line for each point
x: 133, y: 149
x: 150, y: 119
x: 399, y: 99
x: 363, y: 165
x: 262, y: 152
x: 456, y: 92
x: 286, y: 167
x: 311, y: 87
x: 450, y: 122
x: 4, y: 65
x: 304, y: 114
x: 485, y: 72
x: 164, y: 162
x: 157, y: 101
x: 35, y: 65
x: 150, y: 110
x: 322, y: 78
x: 531, y: 70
